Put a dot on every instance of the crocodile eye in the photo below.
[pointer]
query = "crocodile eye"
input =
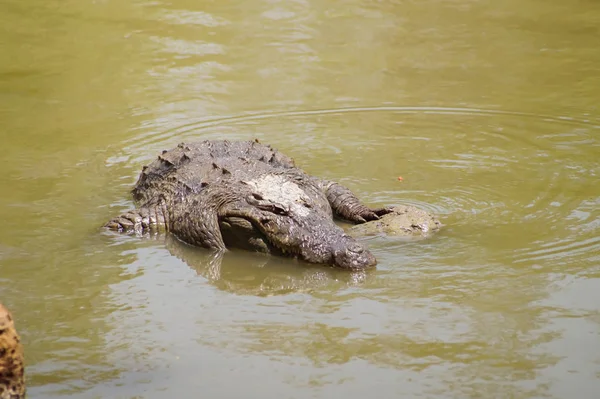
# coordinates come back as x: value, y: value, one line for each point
x: 272, y: 208
x: 279, y: 210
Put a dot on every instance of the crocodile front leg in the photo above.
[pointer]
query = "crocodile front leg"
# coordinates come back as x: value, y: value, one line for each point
x: 140, y: 220
x: 195, y: 220
x: 347, y: 206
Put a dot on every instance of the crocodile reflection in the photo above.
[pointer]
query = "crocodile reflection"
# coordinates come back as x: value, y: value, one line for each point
x: 258, y: 274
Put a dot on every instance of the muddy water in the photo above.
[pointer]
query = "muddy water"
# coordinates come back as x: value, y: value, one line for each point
x: 488, y: 110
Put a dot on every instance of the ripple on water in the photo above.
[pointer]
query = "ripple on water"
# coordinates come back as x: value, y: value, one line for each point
x: 508, y: 182
x: 519, y: 200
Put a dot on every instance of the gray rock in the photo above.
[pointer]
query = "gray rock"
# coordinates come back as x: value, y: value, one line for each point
x: 405, y: 221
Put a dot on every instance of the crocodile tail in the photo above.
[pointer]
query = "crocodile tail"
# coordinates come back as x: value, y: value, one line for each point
x: 140, y: 220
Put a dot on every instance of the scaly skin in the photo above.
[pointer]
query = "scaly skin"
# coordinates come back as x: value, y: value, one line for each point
x: 12, y: 365
x: 345, y: 204
x: 215, y: 193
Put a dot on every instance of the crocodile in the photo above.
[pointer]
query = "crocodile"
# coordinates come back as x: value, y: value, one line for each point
x: 12, y: 365
x: 218, y: 194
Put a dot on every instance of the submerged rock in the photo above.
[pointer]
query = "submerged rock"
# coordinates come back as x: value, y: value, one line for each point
x: 404, y: 220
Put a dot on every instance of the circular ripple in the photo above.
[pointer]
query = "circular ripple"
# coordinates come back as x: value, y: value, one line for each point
x: 203, y: 126
x: 511, y: 186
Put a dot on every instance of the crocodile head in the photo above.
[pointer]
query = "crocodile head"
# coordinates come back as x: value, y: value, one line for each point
x: 311, y: 238
x: 294, y: 223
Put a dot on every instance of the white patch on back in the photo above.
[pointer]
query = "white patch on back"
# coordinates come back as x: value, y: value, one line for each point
x: 281, y: 191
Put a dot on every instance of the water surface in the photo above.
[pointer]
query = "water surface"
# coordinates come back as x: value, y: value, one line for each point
x: 488, y: 110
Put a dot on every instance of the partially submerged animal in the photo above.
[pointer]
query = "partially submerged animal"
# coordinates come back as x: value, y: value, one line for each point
x: 245, y: 194
x: 12, y: 364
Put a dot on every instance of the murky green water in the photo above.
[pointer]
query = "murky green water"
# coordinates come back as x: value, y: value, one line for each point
x: 489, y: 110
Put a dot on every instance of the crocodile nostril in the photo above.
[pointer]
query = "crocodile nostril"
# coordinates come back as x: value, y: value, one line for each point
x: 355, y: 248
